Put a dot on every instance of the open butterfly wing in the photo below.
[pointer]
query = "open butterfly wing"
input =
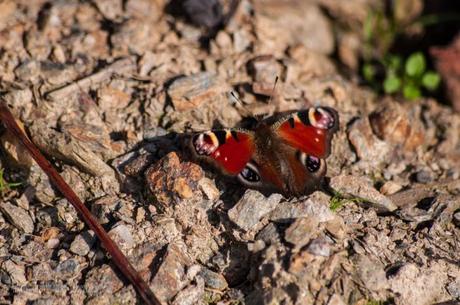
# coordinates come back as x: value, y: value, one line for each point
x: 310, y: 131
x: 229, y: 149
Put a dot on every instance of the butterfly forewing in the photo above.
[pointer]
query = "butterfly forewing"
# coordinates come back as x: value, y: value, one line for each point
x: 310, y: 130
x: 231, y: 150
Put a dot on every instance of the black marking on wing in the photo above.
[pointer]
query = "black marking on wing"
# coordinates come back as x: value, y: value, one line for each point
x: 291, y: 122
x: 221, y: 136
x: 234, y: 135
x: 303, y: 117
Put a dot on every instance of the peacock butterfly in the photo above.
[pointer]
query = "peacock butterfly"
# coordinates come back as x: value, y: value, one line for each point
x: 281, y: 154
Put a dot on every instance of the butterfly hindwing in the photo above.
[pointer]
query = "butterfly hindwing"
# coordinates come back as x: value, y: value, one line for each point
x: 309, y: 130
x: 229, y: 149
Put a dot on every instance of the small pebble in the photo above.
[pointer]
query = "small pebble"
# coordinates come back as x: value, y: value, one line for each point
x: 390, y: 187
x: 122, y: 236
x: 423, y: 176
x: 319, y: 247
x: 82, y: 243
x: 456, y: 218
x: 214, y: 280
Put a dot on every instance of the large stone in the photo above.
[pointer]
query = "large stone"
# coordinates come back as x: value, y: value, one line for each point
x: 191, y: 91
x: 170, y: 179
x: 18, y: 217
x: 306, y: 25
x: 251, y: 208
x: 356, y: 187
x: 171, y: 276
x: 316, y: 205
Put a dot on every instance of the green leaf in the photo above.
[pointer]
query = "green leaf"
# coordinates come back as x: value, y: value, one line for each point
x: 415, y: 65
x: 411, y: 92
x: 336, y: 203
x: 391, y: 84
x: 431, y: 80
x: 368, y: 27
x: 393, y: 62
x: 368, y: 72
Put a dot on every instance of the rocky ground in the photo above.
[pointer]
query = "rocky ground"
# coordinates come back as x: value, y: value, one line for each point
x: 109, y: 90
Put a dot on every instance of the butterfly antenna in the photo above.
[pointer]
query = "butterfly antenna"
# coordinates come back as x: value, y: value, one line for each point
x: 238, y: 101
x: 273, y: 90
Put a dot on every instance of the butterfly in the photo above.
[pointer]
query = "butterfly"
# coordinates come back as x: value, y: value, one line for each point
x: 284, y: 154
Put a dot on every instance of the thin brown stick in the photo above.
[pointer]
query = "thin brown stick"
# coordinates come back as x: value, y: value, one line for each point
x: 117, y: 256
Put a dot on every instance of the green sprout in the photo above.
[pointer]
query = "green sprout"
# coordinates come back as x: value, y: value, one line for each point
x: 5, y: 185
x: 336, y: 203
x: 338, y: 200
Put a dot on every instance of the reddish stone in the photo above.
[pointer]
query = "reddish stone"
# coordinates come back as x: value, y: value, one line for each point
x: 170, y: 179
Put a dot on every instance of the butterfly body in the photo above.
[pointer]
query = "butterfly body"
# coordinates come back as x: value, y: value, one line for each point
x: 283, y: 154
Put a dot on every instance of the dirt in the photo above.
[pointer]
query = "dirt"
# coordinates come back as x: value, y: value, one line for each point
x: 111, y: 91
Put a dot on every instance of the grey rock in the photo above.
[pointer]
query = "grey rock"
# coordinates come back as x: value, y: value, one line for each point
x: 209, y: 189
x: 28, y: 71
x: 82, y: 243
x: 241, y: 40
x: 269, y: 234
x: 456, y: 218
x: 20, y: 99
x: 213, y: 279
x: 18, y: 217
x: 63, y: 146
x: 419, y: 284
x: 191, y: 91
x: 69, y: 268
x: 353, y: 186
x: 316, y: 205
x: 171, y: 276
x: 306, y: 25
x: 301, y: 231
x: 26, y: 197
x: 454, y: 288
x: 265, y: 68
x: 371, y: 273
x: 44, y: 192
x: 122, y: 236
x: 410, y: 197
x: 367, y: 146
x: 251, y: 208
x: 15, y: 271
x: 423, y: 176
x: 42, y: 272
x: 102, y: 281
x: 390, y: 188
x: 319, y: 247
x: 190, y: 295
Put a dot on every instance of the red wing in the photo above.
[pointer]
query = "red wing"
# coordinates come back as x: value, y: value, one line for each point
x: 229, y: 149
x: 310, y: 130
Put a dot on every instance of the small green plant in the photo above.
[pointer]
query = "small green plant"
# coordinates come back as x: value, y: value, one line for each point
x: 338, y: 200
x: 5, y: 185
x: 407, y: 78
x: 336, y: 203
x: 391, y: 73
